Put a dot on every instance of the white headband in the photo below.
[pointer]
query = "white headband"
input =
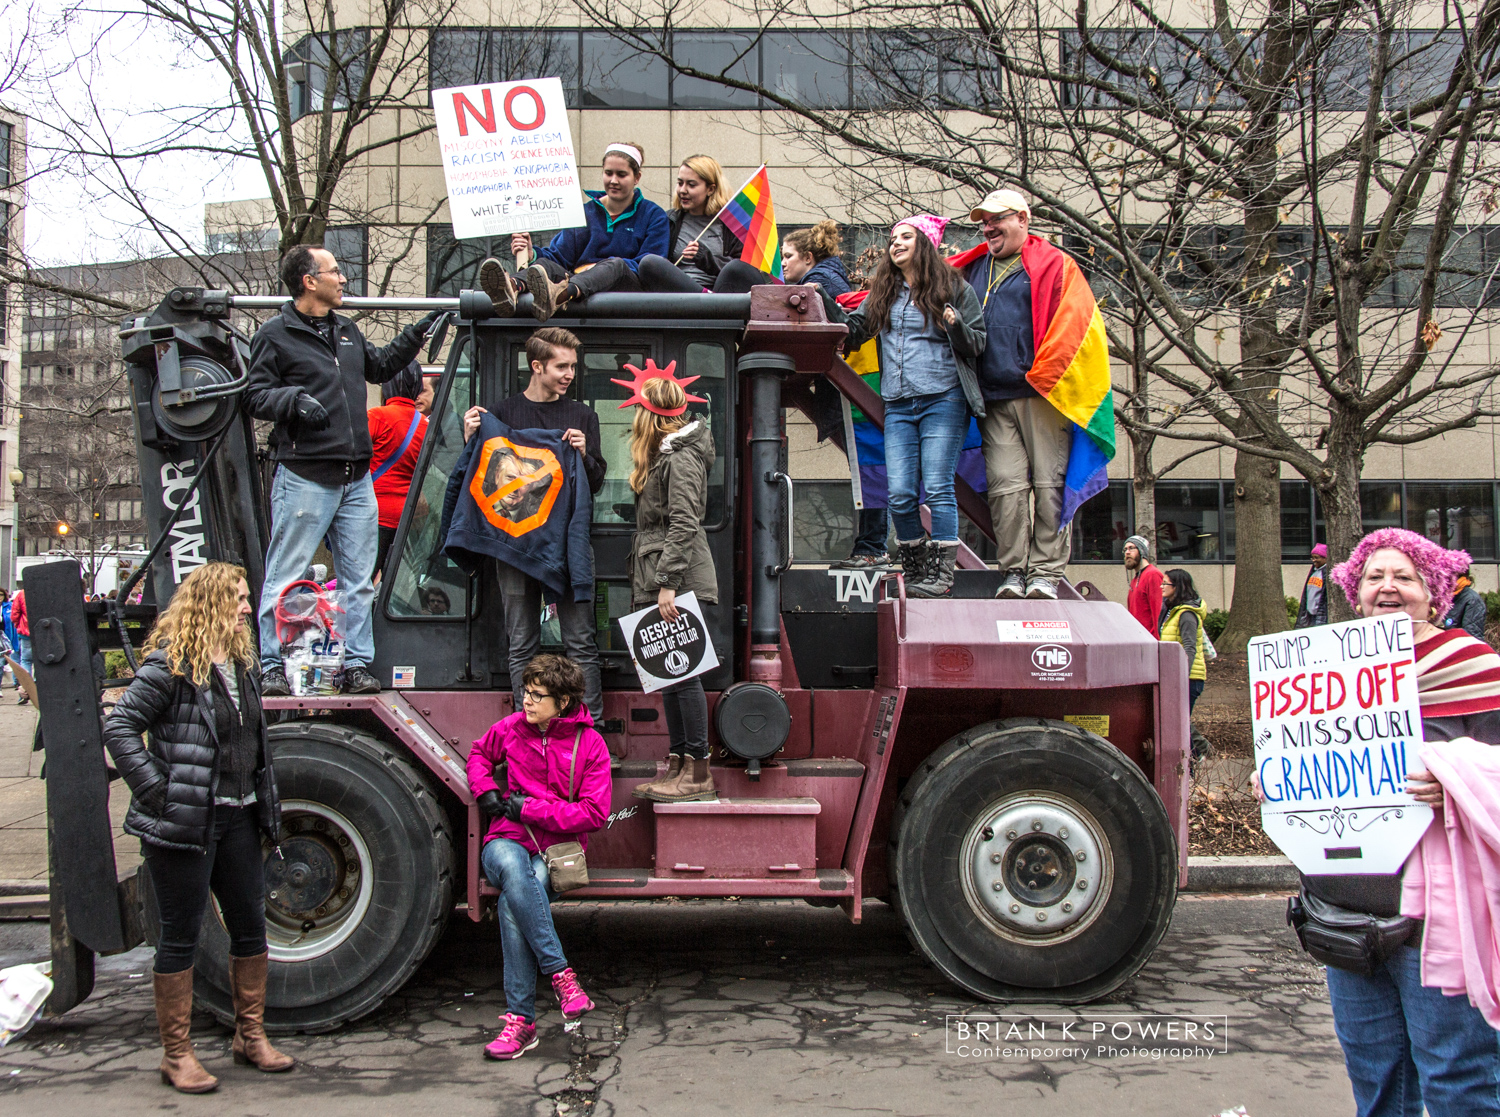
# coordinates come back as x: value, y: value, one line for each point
x: 631, y: 153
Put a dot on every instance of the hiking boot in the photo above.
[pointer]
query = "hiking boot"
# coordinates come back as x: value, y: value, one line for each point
x: 649, y: 789
x: 571, y: 998
x: 180, y: 1067
x: 938, y: 582
x: 859, y: 562
x: 515, y: 1039
x: 1041, y: 589
x: 546, y: 297
x: 913, y: 559
x: 496, y: 284
x: 247, y: 984
x: 357, y: 680
x: 694, y: 784
x: 1014, y: 585
x: 273, y: 684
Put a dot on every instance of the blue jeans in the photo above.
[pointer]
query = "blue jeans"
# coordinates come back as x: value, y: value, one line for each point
x: 923, y: 435
x: 527, y: 936
x: 303, y: 513
x: 1406, y: 1045
x: 24, y: 653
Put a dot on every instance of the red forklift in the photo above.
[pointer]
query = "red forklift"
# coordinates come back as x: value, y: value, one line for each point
x: 1011, y: 776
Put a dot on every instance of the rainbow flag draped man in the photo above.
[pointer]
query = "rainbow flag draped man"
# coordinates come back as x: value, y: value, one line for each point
x: 1049, y: 425
x: 751, y: 217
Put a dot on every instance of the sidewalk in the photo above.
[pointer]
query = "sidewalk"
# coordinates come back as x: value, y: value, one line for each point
x: 23, y: 802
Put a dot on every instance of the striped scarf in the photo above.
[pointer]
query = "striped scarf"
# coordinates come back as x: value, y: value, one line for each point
x: 1457, y: 675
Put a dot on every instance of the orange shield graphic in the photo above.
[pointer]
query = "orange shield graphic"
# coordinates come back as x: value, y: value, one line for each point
x: 516, y: 486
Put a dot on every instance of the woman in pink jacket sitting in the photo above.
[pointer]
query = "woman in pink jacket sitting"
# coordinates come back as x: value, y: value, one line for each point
x: 521, y: 772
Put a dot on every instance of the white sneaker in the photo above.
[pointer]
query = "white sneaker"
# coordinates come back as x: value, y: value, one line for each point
x: 1044, y: 589
x: 1014, y: 585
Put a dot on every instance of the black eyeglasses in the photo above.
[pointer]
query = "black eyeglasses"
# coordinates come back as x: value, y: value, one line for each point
x: 529, y: 695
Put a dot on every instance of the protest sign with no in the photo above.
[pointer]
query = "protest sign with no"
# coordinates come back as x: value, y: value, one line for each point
x: 666, y: 652
x: 1337, y: 728
x: 508, y: 157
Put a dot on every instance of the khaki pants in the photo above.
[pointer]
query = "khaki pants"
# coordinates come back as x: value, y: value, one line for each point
x: 1026, y: 444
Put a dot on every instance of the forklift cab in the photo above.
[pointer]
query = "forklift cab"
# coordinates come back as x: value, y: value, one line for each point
x: 461, y: 629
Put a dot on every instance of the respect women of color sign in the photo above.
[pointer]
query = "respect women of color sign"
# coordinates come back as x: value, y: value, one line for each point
x: 1337, y: 728
x: 508, y: 157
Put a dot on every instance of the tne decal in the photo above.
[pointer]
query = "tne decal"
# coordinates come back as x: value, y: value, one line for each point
x: 189, y: 541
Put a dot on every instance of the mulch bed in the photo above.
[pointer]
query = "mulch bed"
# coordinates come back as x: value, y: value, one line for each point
x: 1225, y: 820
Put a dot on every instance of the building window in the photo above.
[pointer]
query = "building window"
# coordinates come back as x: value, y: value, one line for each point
x: 1189, y: 522
x: 1102, y: 525
x: 350, y: 247
x: 734, y: 54
x: 7, y: 138
x: 476, y: 56
x: 1456, y: 515
x: 315, y: 71
x: 1380, y: 504
x: 617, y: 76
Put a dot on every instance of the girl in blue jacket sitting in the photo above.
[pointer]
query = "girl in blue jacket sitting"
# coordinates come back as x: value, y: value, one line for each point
x: 621, y: 228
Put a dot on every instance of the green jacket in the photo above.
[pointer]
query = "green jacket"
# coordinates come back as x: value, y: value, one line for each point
x: 670, y: 547
x: 966, y: 335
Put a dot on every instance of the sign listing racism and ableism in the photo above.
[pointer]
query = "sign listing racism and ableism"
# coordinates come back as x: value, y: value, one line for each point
x: 508, y: 157
x: 1337, y: 728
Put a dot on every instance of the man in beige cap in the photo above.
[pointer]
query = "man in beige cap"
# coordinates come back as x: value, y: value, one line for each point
x: 1026, y: 439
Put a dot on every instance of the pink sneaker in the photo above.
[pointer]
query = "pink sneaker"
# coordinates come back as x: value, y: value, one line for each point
x: 570, y: 995
x: 514, y: 1040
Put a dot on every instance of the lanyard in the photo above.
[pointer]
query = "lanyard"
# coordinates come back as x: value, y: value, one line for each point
x: 994, y: 280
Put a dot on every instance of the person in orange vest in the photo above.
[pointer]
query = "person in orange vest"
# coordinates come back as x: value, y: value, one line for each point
x: 1313, y: 608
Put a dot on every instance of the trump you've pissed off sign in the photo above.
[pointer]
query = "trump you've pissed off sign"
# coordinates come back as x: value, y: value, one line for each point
x: 1337, y: 727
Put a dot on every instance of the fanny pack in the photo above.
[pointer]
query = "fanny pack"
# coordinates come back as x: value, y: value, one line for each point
x: 566, y: 867
x: 1346, y: 940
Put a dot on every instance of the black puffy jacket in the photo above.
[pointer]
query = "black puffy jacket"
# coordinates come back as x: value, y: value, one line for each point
x: 183, y: 751
x: 289, y: 357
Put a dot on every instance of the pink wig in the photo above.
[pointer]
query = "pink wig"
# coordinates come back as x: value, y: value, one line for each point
x: 1438, y: 567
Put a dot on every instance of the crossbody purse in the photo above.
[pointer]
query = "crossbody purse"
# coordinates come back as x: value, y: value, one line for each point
x: 566, y: 867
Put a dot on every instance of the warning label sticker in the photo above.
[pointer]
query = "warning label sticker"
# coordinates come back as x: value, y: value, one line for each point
x: 1034, y: 632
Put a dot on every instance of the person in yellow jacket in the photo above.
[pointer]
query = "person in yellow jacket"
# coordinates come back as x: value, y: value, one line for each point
x: 1182, y: 618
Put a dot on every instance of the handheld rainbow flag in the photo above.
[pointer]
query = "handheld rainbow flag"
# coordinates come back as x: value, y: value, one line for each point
x: 751, y: 217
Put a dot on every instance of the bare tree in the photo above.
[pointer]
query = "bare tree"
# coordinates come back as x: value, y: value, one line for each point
x: 1285, y: 211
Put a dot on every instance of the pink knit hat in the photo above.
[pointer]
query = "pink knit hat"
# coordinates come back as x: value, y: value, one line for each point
x: 927, y: 223
x: 1437, y: 566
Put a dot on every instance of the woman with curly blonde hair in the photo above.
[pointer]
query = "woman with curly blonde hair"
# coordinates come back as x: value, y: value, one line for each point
x: 202, y: 794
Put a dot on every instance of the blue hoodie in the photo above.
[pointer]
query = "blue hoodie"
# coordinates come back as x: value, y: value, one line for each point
x: 642, y: 230
x: 831, y: 274
x: 521, y: 497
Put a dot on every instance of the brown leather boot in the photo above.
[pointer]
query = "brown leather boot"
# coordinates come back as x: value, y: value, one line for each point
x: 693, y: 785
x: 247, y: 981
x: 180, y: 1068
x: 650, y: 788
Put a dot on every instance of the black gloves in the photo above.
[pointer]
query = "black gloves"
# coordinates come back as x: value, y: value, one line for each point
x: 425, y: 323
x: 513, y: 806
x: 312, y: 413
x: 491, y: 804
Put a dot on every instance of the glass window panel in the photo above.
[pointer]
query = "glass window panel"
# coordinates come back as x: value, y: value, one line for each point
x: 809, y: 68
x: 427, y: 583
x: 615, y: 502
x: 518, y: 53
x: 1103, y: 525
x: 6, y: 133
x: 1462, y: 280
x: 1188, y: 527
x: 1343, y: 72
x: 970, y: 77
x: 1380, y: 504
x: 458, y: 56
x: 822, y: 520
x: 1459, y: 516
x: 731, y: 54
x: 1424, y: 63
x: 617, y: 76
x: 349, y: 245
x: 709, y: 362
x: 895, y: 68
x: 309, y: 63
x: 1296, y: 521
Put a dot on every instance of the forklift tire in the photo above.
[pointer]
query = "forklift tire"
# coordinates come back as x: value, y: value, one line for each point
x: 366, y: 829
x: 1033, y: 862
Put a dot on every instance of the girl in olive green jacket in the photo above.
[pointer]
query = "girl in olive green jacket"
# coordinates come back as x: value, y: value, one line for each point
x: 672, y: 453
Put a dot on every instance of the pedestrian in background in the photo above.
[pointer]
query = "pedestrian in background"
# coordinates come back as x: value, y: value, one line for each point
x: 1183, y: 616
x: 397, y: 429
x: 1408, y: 1044
x: 1469, y: 611
x: 8, y: 627
x: 1313, y: 608
x: 1144, y: 599
x: 23, y: 632
x: 542, y: 777
x: 931, y: 331
x: 203, y: 797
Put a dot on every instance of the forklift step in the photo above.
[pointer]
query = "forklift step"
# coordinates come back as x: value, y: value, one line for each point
x: 748, y: 839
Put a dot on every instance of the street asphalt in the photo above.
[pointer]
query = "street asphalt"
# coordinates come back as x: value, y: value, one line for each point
x: 730, y: 1007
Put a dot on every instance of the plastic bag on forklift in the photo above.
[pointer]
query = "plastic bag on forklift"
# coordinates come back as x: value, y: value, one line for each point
x: 309, y: 626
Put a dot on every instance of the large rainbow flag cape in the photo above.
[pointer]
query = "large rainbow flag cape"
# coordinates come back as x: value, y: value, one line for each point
x: 751, y: 217
x: 1071, y: 367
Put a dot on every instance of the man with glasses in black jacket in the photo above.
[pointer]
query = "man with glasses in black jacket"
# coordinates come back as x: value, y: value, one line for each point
x: 308, y: 370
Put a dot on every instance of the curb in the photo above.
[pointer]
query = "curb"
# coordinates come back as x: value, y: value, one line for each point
x: 1241, y: 874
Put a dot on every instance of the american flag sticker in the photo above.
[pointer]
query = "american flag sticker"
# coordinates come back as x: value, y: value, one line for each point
x: 403, y: 677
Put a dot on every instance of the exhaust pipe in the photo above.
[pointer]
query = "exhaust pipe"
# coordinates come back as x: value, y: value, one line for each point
x: 765, y: 372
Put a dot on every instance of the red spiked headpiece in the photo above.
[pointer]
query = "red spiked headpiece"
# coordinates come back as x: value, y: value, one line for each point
x: 651, y: 372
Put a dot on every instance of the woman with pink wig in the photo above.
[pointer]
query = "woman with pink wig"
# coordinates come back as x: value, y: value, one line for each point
x: 1406, y: 1044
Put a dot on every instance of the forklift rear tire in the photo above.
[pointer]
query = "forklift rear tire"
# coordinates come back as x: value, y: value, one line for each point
x: 1033, y: 862
x: 373, y: 853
